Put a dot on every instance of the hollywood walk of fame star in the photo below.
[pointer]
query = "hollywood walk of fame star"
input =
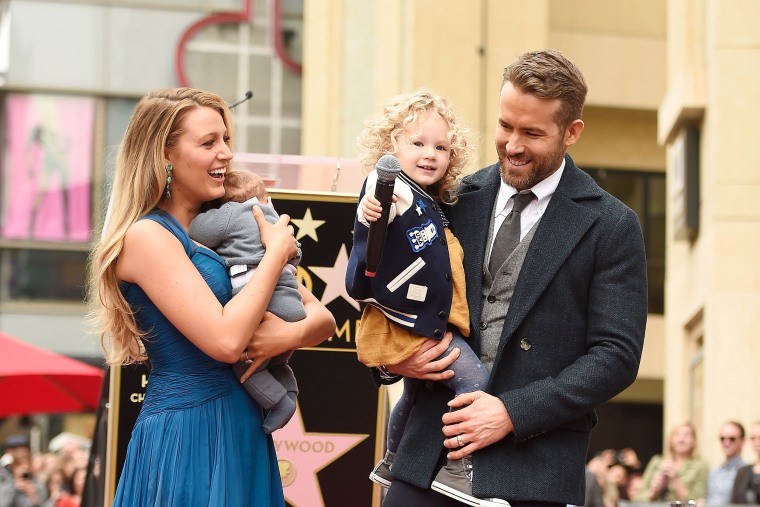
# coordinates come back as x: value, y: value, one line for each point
x: 307, y: 226
x: 302, y: 454
x: 335, y: 278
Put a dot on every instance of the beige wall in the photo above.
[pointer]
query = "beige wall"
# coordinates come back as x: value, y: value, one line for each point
x: 713, y: 287
x: 361, y: 52
x: 619, y: 138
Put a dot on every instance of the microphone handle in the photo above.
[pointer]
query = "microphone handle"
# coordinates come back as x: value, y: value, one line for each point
x: 378, y: 228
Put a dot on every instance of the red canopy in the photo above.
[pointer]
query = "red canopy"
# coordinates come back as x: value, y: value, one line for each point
x: 35, y: 380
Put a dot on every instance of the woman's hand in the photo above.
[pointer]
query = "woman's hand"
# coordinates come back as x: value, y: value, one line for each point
x: 269, y: 340
x: 277, y: 238
x: 273, y: 336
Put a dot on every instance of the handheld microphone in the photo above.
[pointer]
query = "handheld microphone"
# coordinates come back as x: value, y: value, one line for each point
x: 248, y: 96
x: 387, y: 168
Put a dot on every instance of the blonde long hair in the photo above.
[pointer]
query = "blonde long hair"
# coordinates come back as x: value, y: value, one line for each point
x: 138, y: 187
x: 381, y: 136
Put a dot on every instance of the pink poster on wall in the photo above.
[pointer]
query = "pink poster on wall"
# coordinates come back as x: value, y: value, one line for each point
x: 47, y: 168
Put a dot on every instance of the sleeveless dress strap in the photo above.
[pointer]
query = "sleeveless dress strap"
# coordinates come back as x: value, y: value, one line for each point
x: 170, y: 223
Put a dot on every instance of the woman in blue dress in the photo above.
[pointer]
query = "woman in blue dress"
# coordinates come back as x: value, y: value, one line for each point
x: 159, y: 296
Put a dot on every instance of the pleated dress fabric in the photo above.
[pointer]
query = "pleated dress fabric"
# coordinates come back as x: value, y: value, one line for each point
x: 198, y: 439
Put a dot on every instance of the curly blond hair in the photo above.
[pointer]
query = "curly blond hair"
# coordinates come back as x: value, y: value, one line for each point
x: 138, y: 187
x: 381, y: 136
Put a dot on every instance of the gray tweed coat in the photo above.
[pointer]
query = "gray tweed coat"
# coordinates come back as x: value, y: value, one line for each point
x: 581, y: 301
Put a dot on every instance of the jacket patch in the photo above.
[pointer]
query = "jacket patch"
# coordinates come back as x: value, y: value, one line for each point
x: 405, y: 275
x: 421, y: 207
x: 416, y: 292
x: 421, y: 237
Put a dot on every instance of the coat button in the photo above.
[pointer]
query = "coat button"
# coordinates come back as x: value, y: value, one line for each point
x: 437, y: 333
x: 483, y: 325
x: 448, y: 277
x: 525, y: 344
x: 443, y: 240
x: 491, y: 298
x: 441, y: 315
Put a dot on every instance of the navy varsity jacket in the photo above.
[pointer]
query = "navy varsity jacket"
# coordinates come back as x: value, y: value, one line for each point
x: 413, y: 285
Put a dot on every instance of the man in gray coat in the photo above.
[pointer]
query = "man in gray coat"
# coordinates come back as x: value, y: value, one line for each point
x: 560, y: 322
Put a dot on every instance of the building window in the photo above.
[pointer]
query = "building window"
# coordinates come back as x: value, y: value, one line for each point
x: 42, y: 275
x: 644, y: 192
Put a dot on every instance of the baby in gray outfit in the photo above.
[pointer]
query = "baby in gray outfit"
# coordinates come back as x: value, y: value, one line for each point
x: 231, y: 230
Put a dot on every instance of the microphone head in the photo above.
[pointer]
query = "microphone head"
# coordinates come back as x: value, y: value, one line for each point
x: 387, y: 168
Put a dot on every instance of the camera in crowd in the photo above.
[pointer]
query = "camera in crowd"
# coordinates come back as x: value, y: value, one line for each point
x: 619, y: 458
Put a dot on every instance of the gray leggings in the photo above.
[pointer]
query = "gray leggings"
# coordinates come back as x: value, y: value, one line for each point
x: 469, y: 375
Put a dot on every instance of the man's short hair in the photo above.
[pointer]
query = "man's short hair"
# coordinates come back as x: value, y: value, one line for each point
x: 548, y: 74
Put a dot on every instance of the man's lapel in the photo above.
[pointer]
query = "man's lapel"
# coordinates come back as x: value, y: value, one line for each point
x: 562, y: 226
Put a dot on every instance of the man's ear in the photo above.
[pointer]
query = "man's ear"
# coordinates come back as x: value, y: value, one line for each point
x: 573, y: 132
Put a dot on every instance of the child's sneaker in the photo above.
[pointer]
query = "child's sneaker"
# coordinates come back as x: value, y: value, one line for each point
x: 455, y: 480
x: 382, y: 473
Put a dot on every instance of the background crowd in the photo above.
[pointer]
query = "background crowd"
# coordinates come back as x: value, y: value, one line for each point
x: 678, y: 474
x: 56, y: 478
x: 51, y: 479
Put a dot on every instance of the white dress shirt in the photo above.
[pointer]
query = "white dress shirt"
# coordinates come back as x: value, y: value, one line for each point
x: 543, y: 190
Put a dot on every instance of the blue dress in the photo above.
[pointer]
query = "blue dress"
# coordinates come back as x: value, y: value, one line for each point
x: 198, y: 439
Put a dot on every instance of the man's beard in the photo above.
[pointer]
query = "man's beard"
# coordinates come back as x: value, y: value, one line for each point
x: 542, y: 167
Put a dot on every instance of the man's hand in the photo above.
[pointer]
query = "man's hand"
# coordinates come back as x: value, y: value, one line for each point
x: 482, y: 420
x: 425, y: 365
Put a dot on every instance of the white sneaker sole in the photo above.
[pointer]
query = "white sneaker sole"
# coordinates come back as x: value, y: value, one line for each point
x: 467, y: 499
x: 379, y: 480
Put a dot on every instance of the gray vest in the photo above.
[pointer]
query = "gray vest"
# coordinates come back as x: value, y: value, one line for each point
x: 496, y: 296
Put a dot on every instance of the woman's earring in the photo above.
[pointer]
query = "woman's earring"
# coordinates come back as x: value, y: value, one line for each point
x: 167, y: 192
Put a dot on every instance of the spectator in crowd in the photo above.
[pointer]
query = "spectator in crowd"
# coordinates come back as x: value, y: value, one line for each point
x: 679, y: 475
x: 55, y: 488
x: 600, y: 463
x: 15, y: 447
x: 632, y: 488
x: 721, y: 479
x: 70, y: 460
x: 747, y: 483
x: 613, y: 471
x: 23, y: 490
x: 629, y: 458
x: 615, y: 483
x: 594, y: 493
x: 73, y: 496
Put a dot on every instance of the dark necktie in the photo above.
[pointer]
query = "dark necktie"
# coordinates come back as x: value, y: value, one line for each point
x: 508, y: 236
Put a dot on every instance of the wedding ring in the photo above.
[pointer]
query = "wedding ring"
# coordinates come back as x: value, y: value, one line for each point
x: 459, y: 441
x: 248, y: 360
